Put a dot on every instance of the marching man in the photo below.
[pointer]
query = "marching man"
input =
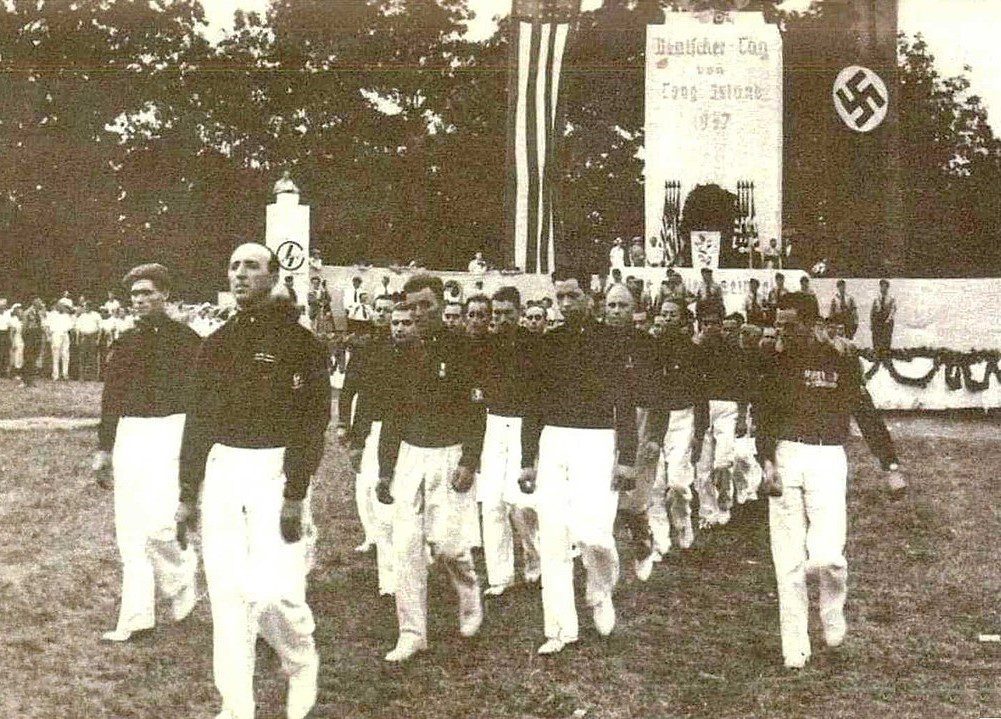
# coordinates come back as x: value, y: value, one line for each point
x: 582, y: 429
x: 142, y: 420
x: 429, y: 448
x: 254, y: 438
x: 507, y: 511
x: 810, y: 391
x: 366, y: 372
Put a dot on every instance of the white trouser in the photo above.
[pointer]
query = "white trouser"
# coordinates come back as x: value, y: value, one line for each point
x: 746, y: 470
x: 504, y: 504
x: 807, y: 525
x: 60, y: 355
x: 671, y: 498
x: 715, y: 465
x: 17, y: 353
x: 576, y: 505
x: 376, y: 517
x: 145, y: 463
x: 256, y: 580
x: 428, y: 511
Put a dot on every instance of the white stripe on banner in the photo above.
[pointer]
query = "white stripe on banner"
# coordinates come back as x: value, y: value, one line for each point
x: 521, y: 150
x: 562, y: 30
x: 542, y: 141
x: 534, y: 224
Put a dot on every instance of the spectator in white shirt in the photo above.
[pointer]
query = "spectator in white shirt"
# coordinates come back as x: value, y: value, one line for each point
x: 352, y: 295
x: 111, y: 304
x: 60, y: 323
x: 16, y: 354
x: 5, y: 340
x: 88, y: 334
x: 617, y: 255
x: 478, y: 265
x: 360, y: 314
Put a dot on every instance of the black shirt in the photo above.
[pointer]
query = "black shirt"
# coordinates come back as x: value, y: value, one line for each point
x: 429, y: 400
x: 578, y: 381
x: 260, y: 381
x: 147, y: 374
x: 809, y: 395
x: 505, y: 376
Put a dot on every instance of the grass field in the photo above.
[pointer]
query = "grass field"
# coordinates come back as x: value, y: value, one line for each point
x: 699, y: 640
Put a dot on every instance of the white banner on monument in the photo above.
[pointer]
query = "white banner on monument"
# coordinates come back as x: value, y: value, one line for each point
x: 705, y: 249
x: 714, y: 112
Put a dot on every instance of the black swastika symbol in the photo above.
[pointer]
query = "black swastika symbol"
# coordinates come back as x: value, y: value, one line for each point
x: 868, y: 99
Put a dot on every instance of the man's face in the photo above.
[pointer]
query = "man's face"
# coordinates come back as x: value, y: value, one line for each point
x: 711, y: 326
x: 754, y: 288
x: 671, y: 314
x: 383, y: 313
x: 452, y: 317
x: 314, y: 283
x: 535, y: 319
x: 250, y: 280
x: 835, y: 329
x: 790, y: 330
x: 780, y: 281
x: 428, y: 310
x: 403, y: 327
x: 804, y: 284
x: 707, y: 276
x: 619, y: 307
x: 505, y: 315
x: 146, y: 298
x: 477, y: 319
x: 731, y: 329
x: 571, y: 301
x: 659, y: 328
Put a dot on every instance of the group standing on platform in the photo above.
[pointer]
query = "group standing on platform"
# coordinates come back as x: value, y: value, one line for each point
x: 494, y: 422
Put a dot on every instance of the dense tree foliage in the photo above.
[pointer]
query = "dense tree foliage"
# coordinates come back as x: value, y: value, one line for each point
x: 126, y: 136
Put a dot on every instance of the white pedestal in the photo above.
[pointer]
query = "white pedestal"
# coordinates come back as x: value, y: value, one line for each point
x: 287, y: 234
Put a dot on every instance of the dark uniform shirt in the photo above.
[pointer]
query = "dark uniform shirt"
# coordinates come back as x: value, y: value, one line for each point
x: 506, y: 377
x: 430, y: 401
x: 367, y: 371
x: 809, y: 395
x: 147, y: 374
x: 678, y: 384
x: 260, y: 381
x: 578, y: 382
x: 725, y: 374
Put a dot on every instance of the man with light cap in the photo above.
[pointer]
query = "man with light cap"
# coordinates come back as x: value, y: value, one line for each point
x: 253, y: 439
x: 581, y: 411
x: 142, y: 419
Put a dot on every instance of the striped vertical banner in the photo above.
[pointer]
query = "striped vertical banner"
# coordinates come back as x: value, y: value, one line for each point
x: 541, y: 29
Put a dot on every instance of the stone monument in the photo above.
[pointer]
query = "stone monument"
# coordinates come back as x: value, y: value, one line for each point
x: 287, y: 234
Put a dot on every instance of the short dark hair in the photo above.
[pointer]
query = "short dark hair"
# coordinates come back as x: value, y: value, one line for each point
x: 737, y: 316
x: 508, y: 294
x: 754, y: 281
x: 476, y: 299
x: 883, y: 282
x: 779, y: 276
x: 423, y: 280
x: 839, y: 283
x: 152, y: 271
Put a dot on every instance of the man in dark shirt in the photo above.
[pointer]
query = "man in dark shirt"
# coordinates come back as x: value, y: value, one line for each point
x: 680, y: 408
x: 580, y: 416
x: 365, y: 376
x: 254, y: 437
x: 429, y: 449
x: 508, y: 513
x: 364, y: 344
x: 139, y: 438
x: 811, y: 388
x: 725, y: 380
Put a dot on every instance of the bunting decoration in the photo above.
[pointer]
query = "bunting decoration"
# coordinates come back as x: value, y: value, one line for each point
x: 541, y: 29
